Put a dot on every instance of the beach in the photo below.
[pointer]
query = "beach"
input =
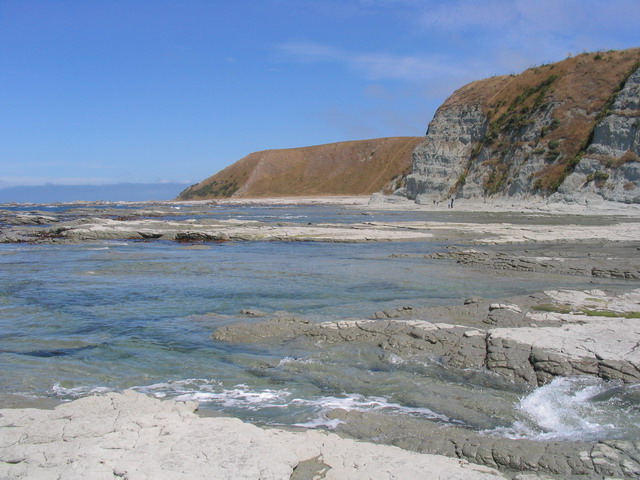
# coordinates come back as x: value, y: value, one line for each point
x: 566, y: 326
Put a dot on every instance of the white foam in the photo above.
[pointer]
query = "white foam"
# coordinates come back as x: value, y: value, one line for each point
x: 77, y: 392
x: 245, y: 398
x: 211, y: 391
x: 360, y: 403
x: 396, y: 359
x: 179, y: 387
x: 563, y: 409
x: 320, y: 422
x: 241, y: 398
x: 291, y: 360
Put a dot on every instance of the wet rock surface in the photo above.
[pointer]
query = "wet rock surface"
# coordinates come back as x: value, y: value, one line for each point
x: 533, y: 343
x: 567, y: 459
x: 526, y: 340
x: 523, y: 342
x: 596, y: 259
x: 195, y: 224
x: 146, y: 223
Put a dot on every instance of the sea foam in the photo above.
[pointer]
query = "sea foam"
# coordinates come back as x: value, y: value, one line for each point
x: 576, y: 408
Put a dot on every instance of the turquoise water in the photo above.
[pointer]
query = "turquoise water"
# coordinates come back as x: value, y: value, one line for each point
x: 86, y: 318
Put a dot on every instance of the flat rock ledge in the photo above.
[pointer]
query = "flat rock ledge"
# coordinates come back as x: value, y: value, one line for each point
x: 131, y: 436
x: 202, y: 230
x: 599, y: 262
x: 577, y: 333
x: 565, y: 460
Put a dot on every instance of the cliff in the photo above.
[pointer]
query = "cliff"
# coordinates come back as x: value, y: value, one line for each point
x: 345, y: 168
x: 568, y: 130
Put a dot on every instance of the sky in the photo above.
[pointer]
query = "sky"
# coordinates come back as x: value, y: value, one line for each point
x: 153, y: 91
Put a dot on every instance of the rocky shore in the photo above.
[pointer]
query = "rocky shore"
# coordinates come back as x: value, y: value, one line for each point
x: 558, y: 333
x: 168, y: 222
x: 530, y: 340
x: 523, y: 342
x: 476, y: 223
x: 132, y: 436
x: 527, y: 340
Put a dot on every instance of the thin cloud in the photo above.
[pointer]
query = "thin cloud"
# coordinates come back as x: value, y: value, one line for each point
x: 511, y: 35
x: 528, y: 21
x: 461, y: 15
x: 373, y: 65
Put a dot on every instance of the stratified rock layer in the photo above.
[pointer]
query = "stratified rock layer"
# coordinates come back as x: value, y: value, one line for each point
x: 570, y: 127
x: 558, y: 333
x: 598, y: 335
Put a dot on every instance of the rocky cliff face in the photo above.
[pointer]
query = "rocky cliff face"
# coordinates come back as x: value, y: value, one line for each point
x: 569, y: 129
x: 611, y: 164
x: 346, y: 168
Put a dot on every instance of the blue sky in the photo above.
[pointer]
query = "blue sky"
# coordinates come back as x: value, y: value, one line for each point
x: 108, y: 91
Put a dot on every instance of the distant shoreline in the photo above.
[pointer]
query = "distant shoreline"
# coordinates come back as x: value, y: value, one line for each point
x: 592, y: 207
x: 596, y: 206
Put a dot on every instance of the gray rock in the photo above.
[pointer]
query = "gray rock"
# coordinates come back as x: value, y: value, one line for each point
x: 472, y: 300
x: 252, y: 313
x: 216, y: 237
x: 611, y: 166
x: 566, y: 460
x: 458, y: 159
x: 570, y: 344
x: 439, y: 161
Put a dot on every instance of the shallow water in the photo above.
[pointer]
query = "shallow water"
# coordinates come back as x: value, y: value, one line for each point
x: 80, y: 319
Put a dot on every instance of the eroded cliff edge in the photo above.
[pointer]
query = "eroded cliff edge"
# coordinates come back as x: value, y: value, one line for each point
x: 568, y: 130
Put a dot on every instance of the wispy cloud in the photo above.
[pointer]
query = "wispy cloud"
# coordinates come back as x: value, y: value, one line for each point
x: 374, y: 65
x: 541, y: 15
x: 458, y: 41
x: 459, y: 15
x: 544, y: 26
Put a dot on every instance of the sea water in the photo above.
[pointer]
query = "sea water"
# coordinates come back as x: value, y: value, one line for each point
x: 106, y: 316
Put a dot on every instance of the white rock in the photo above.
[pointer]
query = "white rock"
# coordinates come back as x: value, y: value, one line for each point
x: 137, y: 437
x: 505, y: 306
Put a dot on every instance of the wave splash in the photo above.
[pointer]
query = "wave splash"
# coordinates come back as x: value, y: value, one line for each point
x: 578, y: 408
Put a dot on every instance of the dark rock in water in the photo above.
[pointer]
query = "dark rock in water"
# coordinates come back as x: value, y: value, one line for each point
x: 201, y: 237
x: 628, y: 395
x: 472, y: 300
x: 150, y: 235
x: 252, y: 313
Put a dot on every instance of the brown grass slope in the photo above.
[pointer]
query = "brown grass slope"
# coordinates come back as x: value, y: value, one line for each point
x: 578, y: 92
x: 347, y: 168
